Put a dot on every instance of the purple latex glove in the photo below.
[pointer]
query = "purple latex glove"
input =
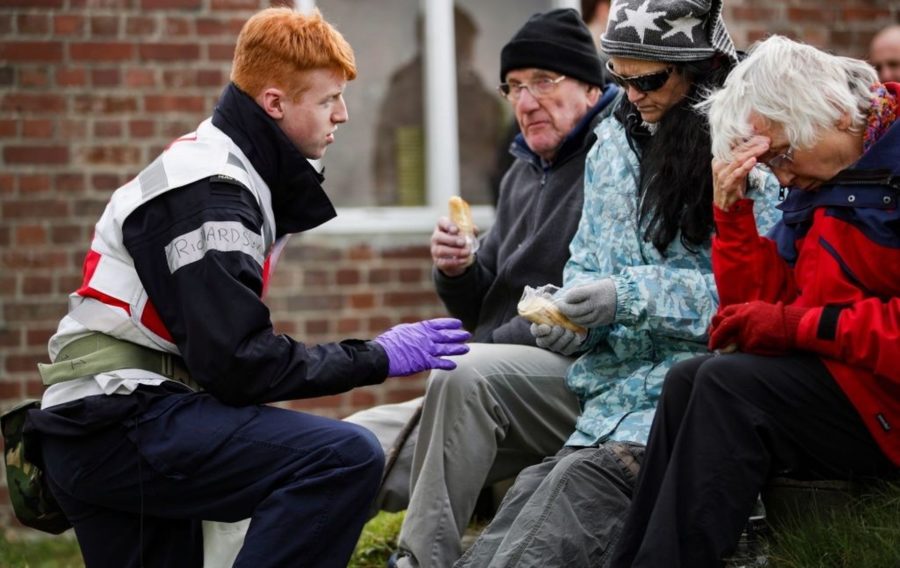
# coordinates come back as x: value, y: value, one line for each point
x: 414, y: 347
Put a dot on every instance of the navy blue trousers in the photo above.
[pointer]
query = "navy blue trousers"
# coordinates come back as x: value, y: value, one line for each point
x: 137, y: 490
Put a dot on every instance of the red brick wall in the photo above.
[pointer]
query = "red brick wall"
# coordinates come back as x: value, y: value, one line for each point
x: 91, y: 90
x: 328, y: 289
x: 844, y: 27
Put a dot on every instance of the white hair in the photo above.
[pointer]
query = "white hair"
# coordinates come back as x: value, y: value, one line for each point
x: 796, y: 86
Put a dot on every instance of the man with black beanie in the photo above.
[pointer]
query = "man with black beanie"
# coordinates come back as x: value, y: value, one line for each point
x: 506, y: 406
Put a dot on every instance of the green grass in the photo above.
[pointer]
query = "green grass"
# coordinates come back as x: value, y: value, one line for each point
x: 866, y: 534
x: 35, y: 550
x: 31, y: 549
x: 377, y: 541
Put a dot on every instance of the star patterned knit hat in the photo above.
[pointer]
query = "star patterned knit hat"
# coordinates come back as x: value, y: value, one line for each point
x: 667, y: 30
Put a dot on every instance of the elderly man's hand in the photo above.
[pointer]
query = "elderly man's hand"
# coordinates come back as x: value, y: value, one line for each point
x: 449, y: 251
x: 730, y: 178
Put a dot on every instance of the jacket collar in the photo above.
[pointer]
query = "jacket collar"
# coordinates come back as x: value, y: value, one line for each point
x: 298, y: 199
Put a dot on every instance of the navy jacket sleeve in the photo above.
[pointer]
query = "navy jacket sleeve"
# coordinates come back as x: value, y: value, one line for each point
x: 213, y: 310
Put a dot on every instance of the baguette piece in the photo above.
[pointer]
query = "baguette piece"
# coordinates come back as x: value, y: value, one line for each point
x: 540, y: 310
x: 461, y: 215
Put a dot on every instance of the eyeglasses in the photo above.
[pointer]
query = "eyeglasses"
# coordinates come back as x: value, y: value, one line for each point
x: 540, y: 87
x: 780, y: 160
x: 643, y: 83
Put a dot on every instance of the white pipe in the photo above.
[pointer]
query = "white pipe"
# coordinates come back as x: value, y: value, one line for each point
x: 567, y: 4
x: 441, y: 140
x: 304, y: 5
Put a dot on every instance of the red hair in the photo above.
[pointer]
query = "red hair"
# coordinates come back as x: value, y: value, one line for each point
x: 277, y: 45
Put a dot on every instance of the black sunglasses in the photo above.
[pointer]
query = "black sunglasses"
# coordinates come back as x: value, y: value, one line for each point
x: 643, y: 83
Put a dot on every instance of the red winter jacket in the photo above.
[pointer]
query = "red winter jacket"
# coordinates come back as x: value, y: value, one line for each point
x: 836, y: 250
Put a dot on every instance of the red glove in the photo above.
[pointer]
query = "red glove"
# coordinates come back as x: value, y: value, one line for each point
x: 756, y: 327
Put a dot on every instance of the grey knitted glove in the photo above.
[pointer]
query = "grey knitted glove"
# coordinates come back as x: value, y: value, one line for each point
x: 556, y: 338
x: 590, y: 305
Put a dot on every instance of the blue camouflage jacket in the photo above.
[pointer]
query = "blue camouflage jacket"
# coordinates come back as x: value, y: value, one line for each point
x: 664, y: 303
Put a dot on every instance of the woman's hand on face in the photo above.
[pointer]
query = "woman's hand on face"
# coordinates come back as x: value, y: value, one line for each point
x: 730, y: 178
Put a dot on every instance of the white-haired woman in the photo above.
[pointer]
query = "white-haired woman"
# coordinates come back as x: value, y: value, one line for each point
x: 806, y: 382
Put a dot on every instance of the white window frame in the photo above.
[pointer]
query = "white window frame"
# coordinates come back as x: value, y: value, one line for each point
x: 441, y: 145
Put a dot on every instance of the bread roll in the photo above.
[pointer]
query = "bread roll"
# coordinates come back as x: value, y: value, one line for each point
x: 461, y: 216
x: 538, y: 309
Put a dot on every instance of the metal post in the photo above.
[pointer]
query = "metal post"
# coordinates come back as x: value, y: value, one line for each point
x: 567, y: 4
x: 441, y: 140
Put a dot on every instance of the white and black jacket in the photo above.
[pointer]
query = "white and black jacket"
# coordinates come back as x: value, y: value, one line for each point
x: 180, y: 260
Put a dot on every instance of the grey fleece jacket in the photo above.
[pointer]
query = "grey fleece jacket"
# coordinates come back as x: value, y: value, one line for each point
x: 537, y: 214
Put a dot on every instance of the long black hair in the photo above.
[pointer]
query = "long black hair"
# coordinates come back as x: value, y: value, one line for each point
x: 676, y: 188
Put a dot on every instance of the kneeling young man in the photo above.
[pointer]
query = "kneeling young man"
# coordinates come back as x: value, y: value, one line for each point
x: 156, y: 413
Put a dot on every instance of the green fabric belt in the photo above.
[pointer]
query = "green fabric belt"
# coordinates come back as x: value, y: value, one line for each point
x: 101, y: 353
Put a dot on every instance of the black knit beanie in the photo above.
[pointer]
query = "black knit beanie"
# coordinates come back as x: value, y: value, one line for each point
x: 556, y: 41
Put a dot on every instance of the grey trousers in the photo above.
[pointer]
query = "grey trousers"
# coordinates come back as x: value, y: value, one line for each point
x: 389, y: 422
x: 566, y: 511
x: 503, y: 408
